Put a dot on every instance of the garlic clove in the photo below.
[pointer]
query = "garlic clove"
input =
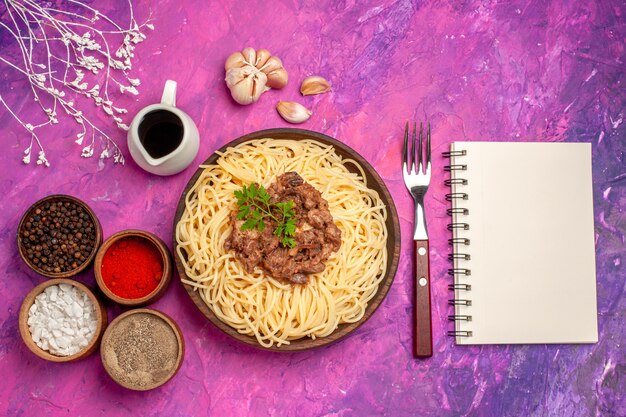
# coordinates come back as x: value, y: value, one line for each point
x: 314, y: 85
x: 262, y: 55
x: 278, y: 78
x: 246, y: 85
x: 259, y: 86
x: 235, y: 75
x: 235, y: 60
x: 249, y: 54
x: 293, y: 112
x: 272, y: 64
x: 242, y: 91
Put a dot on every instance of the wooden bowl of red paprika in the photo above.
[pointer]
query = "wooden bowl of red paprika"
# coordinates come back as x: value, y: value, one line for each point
x: 133, y: 268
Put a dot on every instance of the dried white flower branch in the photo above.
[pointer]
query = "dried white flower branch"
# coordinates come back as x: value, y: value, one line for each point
x: 63, y: 51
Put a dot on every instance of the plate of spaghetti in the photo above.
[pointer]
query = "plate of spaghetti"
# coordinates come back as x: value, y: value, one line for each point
x: 286, y: 239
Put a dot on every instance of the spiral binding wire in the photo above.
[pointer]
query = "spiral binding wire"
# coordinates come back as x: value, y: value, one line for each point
x: 456, y: 241
x: 450, y: 181
x: 461, y: 333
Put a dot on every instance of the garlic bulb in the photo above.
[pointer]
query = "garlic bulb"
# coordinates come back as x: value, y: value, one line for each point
x: 293, y: 112
x: 250, y: 73
x: 314, y: 85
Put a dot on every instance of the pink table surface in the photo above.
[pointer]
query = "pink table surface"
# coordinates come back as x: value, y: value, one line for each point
x: 477, y: 70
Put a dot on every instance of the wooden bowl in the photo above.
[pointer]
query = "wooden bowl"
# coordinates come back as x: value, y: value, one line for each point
x: 393, y: 240
x: 101, y: 316
x: 166, y: 258
x: 108, y: 340
x: 30, y: 212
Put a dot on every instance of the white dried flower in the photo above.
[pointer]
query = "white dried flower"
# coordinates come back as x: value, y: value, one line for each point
x: 41, y: 159
x: 131, y: 89
x: 120, y: 110
x: 87, y: 151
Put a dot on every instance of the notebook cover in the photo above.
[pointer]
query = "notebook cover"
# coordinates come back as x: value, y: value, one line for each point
x: 531, y: 237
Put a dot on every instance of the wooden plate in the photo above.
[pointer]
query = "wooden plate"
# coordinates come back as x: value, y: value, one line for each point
x: 393, y: 240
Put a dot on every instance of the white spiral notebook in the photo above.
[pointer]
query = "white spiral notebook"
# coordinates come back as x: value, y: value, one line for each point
x: 523, y: 243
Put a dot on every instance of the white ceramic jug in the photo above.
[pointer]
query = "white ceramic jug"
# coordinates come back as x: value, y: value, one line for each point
x: 163, y: 139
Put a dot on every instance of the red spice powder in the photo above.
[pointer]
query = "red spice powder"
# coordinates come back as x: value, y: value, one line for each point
x: 132, y: 267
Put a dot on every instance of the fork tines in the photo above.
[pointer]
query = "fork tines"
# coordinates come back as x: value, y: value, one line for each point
x: 416, y: 163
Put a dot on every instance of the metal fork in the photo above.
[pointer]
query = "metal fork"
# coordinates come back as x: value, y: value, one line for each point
x: 416, y: 174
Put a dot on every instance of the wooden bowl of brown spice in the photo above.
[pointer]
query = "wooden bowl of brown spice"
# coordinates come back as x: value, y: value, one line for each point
x: 58, y: 236
x: 142, y: 349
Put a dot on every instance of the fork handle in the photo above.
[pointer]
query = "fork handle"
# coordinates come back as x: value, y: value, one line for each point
x: 423, y: 347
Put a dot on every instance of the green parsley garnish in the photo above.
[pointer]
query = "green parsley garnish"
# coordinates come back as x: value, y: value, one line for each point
x: 255, y: 208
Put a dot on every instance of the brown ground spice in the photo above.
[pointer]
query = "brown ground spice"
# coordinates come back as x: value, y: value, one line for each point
x: 141, y: 350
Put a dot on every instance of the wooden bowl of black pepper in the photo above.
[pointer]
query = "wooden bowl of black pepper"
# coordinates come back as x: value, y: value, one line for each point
x: 142, y: 349
x: 58, y: 236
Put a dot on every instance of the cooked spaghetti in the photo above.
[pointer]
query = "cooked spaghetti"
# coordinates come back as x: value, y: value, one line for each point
x: 256, y: 304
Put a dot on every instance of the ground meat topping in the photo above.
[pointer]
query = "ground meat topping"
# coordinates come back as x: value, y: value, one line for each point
x: 317, y: 236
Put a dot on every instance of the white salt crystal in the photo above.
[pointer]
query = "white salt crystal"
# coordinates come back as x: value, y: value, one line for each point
x: 53, y: 297
x: 68, y: 331
x: 68, y: 310
x: 65, y: 287
x: 32, y: 309
x: 62, y: 341
x: 37, y: 335
x: 77, y: 310
x: 56, y: 333
x: 53, y: 344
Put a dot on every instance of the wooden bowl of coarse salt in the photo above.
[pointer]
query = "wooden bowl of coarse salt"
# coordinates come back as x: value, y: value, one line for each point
x: 61, y: 320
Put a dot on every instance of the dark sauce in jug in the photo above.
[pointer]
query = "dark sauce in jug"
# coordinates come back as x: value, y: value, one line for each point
x: 160, y: 133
